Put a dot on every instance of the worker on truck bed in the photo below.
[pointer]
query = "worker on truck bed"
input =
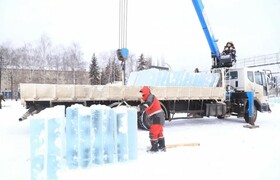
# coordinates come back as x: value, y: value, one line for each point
x: 152, y: 107
x: 1, y: 99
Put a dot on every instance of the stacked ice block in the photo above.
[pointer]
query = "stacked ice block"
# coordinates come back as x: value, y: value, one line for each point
x: 86, y: 137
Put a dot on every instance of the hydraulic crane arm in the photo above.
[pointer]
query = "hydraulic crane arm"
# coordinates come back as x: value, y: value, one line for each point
x: 218, y: 59
x: 199, y: 8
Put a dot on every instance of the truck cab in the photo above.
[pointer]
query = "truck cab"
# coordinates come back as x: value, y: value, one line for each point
x: 249, y: 80
x: 238, y: 83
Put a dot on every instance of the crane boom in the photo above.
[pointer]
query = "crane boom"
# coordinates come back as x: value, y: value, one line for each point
x: 218, y: 59
x: 207, y: 31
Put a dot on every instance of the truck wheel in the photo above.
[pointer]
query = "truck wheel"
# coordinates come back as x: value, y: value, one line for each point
x: 143, y: 121
x: 251, y: 120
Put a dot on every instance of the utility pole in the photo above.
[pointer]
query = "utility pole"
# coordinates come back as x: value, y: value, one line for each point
x: 12, y: 85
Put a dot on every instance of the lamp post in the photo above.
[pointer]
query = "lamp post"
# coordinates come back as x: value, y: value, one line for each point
x: 12, y: 87
x: 1, y: 64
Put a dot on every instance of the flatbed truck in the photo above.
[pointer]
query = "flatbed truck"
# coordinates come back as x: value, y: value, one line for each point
x: 240, y: 92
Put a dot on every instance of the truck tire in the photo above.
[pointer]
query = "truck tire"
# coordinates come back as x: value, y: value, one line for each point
x: 253, y: 119
x: 143, y: 121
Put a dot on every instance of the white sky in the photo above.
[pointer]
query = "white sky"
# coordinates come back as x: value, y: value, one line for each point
x: 163, y: 29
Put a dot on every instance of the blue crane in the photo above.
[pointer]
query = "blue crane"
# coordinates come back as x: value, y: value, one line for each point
x: 225, y: 59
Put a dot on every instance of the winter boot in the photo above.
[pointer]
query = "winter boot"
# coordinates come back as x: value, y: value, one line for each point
x: 161, y: 144
x: 154, y: 147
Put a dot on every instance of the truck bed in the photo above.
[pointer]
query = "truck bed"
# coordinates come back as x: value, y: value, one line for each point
x: 70, y: 93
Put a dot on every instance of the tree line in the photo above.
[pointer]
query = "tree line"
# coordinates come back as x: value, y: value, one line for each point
x: 113, y: 69
x: 42, y: 55
x: 103, y: 68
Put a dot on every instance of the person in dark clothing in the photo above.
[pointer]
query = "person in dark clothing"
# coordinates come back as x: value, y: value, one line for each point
x: 152, y: 107
x: 229, y: 49
x: 1, y: 99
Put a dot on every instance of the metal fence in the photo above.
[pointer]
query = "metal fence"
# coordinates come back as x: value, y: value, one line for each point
x: 269, y: 62
x: 261, y: 60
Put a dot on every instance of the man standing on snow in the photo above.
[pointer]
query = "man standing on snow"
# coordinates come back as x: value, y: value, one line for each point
x: 1, y: 98
x: 152, y: 107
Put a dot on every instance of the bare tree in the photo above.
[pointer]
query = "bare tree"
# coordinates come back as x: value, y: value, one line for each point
x: 75, y: 60
x: 55, y: 61
x: 131, y: 65
x: 112, y: 71
x: 42, y: 52
x: 149, y: 62
x: 8, y: 56
x: 25, y: 56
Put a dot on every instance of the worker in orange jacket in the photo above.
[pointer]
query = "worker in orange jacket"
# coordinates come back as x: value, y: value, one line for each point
x: 152, y: 107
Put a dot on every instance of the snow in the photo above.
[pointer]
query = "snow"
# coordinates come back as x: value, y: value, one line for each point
x: 226, y: 151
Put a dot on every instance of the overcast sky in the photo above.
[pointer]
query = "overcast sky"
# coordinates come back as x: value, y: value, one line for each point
x: 163, y: 29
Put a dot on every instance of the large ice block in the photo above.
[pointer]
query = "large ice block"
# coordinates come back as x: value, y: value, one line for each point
x: 38, y: 148
x: 72, y: 136
x: 97, y: 125
x: 110, y: 138
x: 122, y: 131
x: 47, y: 143
x: 156, y: 77
x: 132, y: 133
x: 84, y: 135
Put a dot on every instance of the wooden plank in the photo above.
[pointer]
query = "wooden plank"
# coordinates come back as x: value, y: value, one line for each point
x: 182, y: 145
x: 251, y: 126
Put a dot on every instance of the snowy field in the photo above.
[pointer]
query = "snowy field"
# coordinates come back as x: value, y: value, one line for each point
x: 227, y: 151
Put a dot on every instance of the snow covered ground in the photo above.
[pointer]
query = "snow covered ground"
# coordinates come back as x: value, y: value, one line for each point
x: 227, y: 150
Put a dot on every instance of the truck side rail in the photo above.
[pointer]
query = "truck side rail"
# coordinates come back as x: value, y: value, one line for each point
x: 63, y: 92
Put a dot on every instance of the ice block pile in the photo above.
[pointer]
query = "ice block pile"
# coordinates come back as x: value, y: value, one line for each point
x: 81, y: 137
